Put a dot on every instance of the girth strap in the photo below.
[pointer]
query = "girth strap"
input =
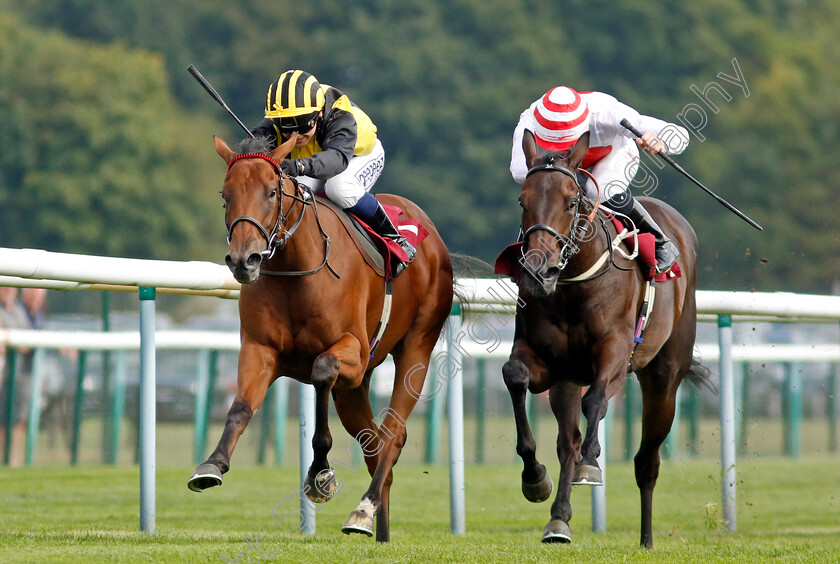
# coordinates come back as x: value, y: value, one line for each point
x: 386, y: 315
x: 644, y: 319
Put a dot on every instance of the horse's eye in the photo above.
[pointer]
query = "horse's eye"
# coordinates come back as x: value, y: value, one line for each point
x: 273, y: 193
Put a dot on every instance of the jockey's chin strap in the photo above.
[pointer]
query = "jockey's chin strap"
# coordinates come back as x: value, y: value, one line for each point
x: 275, y: 239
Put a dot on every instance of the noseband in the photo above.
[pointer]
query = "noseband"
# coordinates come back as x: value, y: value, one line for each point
x: 273, y: 239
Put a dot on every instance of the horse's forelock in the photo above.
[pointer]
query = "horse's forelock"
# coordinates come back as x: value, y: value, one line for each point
x: 256, y: 145
x: 555, y: 156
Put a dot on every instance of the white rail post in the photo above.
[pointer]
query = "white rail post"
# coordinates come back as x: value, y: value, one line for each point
x: 727, y: 423
x: 147, y: 409
x: 599, y: 493
x: 455, y: 403
x: 306, y: 395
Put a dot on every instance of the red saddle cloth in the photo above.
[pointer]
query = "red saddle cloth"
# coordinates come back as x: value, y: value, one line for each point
x: 508, y: 262
x: 411, y: 229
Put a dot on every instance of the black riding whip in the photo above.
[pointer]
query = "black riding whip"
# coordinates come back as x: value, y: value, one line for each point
x: 212, y: 91
x: 680, y: 169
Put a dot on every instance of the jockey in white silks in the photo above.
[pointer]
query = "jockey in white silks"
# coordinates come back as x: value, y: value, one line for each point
x: 558, y: 119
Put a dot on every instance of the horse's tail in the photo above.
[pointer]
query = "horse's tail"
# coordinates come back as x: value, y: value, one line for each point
x: 465, y: 266
x: 700, y: 375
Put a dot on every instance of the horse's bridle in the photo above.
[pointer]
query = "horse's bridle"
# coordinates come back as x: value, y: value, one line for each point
x: 275, y: 239
x: 569, y: 244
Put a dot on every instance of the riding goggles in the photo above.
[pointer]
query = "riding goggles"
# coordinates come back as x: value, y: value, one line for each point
x: 292, y: 124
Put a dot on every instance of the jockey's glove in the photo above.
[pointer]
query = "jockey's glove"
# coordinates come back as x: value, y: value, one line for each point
x: 293, y: 167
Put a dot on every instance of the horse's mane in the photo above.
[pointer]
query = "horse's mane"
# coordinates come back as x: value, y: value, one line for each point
x: 256, y: 145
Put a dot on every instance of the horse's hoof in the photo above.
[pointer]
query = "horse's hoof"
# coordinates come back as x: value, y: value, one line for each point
x: 322, y: 488
x: 539, y: 492
x: 206, y: 476
x: 587, y: 475
x: 557, y: 531
x: 358, y: 522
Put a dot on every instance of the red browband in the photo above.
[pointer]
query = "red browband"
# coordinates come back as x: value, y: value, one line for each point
x: 274, y: 163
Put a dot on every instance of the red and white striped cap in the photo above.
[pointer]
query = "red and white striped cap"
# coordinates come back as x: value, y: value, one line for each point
x: 562, y: 117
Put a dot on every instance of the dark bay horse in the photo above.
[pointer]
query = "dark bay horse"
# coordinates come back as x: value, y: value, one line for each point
x: 311, y: 316
x: 575, y: 327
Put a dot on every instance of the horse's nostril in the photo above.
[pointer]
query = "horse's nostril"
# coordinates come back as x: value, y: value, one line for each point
x: 229, y: 261
x: 254, y: 260
x: 552, y: 271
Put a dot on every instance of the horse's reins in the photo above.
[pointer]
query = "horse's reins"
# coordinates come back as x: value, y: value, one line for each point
x: 274, y: 239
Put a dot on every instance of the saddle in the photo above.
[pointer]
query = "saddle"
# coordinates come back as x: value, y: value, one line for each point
x: 646, y: 250
x: 378, y: 252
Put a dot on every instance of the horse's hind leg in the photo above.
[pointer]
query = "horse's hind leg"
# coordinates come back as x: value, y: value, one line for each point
x: 254, y: 374
x: 354, y: 410
x: 565, y: 404
x: 658, y: 407
x: 518, y: 373
x: 410, y: 360
x: 659, y: 381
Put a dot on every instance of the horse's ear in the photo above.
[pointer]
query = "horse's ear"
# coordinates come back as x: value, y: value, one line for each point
x: 283, y: 150
x: 223, y: 149
x: 579, y: 151
x: 529, y: 147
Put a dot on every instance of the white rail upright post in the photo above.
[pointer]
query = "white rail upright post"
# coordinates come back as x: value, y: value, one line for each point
x: 455, y: 403
x: 599, y: 493
x: 306, y: 395
x: 147, y: 409
x: 280, y: 407
x: 727, y: 423
x: 34, y: 421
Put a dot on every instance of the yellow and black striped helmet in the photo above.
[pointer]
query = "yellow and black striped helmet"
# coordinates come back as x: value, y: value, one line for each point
x: 295, y: 93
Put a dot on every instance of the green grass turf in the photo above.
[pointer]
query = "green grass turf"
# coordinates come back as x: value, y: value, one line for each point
x: 787, y: 511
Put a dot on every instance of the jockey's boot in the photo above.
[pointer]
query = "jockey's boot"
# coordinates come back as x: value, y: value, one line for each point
x: 381, y: 223
x: 666, y: 251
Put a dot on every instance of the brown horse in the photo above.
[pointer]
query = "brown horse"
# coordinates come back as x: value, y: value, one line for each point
x: 575, y: 326
x: 311, y: 316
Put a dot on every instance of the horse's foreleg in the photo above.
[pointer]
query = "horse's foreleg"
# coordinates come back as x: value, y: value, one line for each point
x: 255, y: 373
x: 565, y: 404
x: 341, y: 358
x: 610, y: 373
x: 517, y: 373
